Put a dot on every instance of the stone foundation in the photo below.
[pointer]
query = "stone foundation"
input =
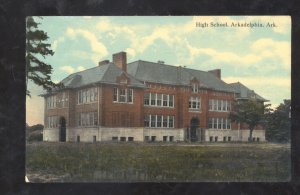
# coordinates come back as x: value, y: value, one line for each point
x: 147, y: 134
x: 235, y: 135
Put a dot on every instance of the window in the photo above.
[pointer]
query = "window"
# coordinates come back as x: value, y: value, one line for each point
x: 210, y: 123
x: 257, y: 139
x: 195, y: 88
x: 159, y: 120
x: 122, y: 139
x: 171, y: 121
x: 53, y: 121
x: 211, y: 138
x: 158, y: 100
x: 146, y: 138
x: 229, y: 138
x: 122, y: 95
x: 165, y: 100
x: 115, y: 95
x: 130, y: 95
x: 78, y: 138
x: 211, y: 104
x: 147, y: 121
x: 194, y: 103
x: 228, y: 106
x: 216, y: 138
x: 147, y: 99
x: 130, y: 139
x: 153, y: 97
x: 215, y: 104
x: 215, y: 122
x: 165, y: 121
x: 165, y: 138
x: 224, y: 123
x: 219, y: 105
x: 87, y: 95
x: 224, y: 105
x: 52, y: 102
x: 114, y: 138
x: 87, y: 119
x: 94, y: 138
x: 153, y: 138
x: 80, y: 97
x: 171, y: 138
x: 64, y: 99
x: 228, y: 122
x: 224, y: 139
x: 219, y: 123
x: 171, y: 100
x: 153, y: 119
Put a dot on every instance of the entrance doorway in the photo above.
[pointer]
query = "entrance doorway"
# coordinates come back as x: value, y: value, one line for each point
x: 62, y: 129
x: 194, y: 125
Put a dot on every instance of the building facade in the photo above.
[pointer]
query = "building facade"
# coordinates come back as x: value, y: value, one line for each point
x: 145, y: 101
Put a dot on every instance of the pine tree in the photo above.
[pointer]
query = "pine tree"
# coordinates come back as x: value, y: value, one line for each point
x: 36, y: 47
x: 279, y: 123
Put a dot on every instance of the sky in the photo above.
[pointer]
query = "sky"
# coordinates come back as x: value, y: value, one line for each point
x: 254, y: 50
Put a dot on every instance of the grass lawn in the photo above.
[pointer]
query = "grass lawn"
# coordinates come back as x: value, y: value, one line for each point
x: 183, y: 162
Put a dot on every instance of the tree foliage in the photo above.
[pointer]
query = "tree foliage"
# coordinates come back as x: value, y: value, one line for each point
x: 250, y: 112
x: 36, y: 48
x: 279, y: 123
x: 34, y: 132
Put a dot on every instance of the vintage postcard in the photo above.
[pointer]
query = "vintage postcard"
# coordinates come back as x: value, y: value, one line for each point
x: 158, y: 99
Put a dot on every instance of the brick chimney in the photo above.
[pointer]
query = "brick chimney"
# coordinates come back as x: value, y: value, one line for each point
x: 216, y: 73
x: 120, y: 60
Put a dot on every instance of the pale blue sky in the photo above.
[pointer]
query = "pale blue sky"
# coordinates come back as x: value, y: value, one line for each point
x: 259, y: 57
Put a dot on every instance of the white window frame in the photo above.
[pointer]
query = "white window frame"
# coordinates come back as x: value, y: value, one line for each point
x: 197, y: 101
x: 87, y: 119
x: 147, y: 98
x: 128, y: 92
x: 195, y: 88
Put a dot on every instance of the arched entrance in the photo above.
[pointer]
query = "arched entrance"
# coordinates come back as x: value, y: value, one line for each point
x: 62, y: 129
x: 194, y: 125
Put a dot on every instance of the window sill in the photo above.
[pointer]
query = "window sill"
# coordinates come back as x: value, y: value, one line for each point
x: 153, y: 106
x: 194, y: 110
x: 56, y: 108
x: 123, y: 102
x: 219, y: 111
x: 86, y: 127
x: 159, y: 127
x: 87, y: 103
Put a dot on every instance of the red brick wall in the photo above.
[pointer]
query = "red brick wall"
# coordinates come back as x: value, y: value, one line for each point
x: 134, y: 113
x: 109, y: 108
x: 64, y: 112
x: 167, y: 111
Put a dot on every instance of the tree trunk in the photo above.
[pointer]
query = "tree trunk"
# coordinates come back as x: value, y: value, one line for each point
x: 250, y: 136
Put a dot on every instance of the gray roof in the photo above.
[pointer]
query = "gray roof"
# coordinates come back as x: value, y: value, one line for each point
x: 140, y: 71
x: 167, y: 74
x: 245, y: 93
x: 100, y: 74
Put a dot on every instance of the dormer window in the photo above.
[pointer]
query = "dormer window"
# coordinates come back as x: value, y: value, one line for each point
x: 195, y: 88
x: 123, y: 81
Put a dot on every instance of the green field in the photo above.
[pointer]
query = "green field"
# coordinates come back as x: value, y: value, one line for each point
x: 131, y: 162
